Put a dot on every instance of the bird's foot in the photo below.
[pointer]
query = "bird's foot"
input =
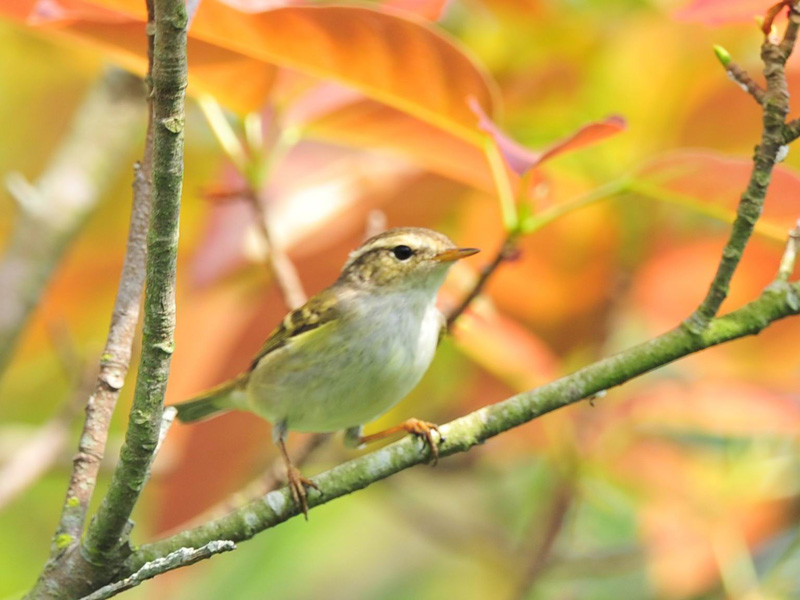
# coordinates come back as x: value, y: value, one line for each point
x: 297, y: 485
x: 422, y: 429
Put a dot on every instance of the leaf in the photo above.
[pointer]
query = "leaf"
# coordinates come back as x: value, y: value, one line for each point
x: 369, y: 124
x: 711, y: 184
x: 723, y: 12
x: 429, y: 9
x: 401, y: 61
x: 521, y: 160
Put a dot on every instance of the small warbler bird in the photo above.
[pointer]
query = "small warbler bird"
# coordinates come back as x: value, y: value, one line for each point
x: 351, y: 352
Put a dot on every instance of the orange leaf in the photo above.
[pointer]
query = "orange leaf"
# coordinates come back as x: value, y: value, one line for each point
x: 400, y: 60
x: 369, y: 124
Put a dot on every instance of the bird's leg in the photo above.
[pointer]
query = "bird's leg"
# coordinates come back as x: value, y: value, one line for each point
x: 353, y: 435
x: 421, y: 429
x: 297, y: 483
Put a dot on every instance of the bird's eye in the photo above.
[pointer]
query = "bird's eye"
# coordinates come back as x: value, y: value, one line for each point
x: 402, y: 252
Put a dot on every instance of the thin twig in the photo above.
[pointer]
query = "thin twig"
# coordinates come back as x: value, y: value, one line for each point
x: 748, y: 84
x: 776, y: 108
x: 507, y: 249
x: 183, y: 557
x: 115, y: 359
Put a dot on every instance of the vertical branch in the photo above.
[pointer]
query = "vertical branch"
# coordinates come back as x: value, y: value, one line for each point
x: 114, y: 362
x: 776, y: 108
x: 107, y: 532
x: 52, y: 211
x: 116, y: 356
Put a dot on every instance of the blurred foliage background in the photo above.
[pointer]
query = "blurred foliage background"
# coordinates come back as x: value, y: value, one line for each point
x: 682, y: 484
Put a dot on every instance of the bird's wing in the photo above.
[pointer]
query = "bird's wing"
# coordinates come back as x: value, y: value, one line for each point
x: 310, y: 318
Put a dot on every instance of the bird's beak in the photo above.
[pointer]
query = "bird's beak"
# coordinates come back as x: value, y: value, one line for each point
x: 455, y: 254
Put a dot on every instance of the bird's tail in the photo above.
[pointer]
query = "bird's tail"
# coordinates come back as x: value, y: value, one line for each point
x: 224, y: 397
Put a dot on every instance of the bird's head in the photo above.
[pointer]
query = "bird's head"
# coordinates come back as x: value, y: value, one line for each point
x: 405, y: 258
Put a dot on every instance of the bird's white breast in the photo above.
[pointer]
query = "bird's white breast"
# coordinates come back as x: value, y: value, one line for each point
x: 358, y: 370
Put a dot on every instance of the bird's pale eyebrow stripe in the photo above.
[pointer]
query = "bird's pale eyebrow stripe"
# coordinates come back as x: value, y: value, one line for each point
x: 387, y: 242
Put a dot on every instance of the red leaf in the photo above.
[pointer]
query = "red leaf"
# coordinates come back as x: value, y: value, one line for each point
x: 520, y: 159
x: 722, y: 12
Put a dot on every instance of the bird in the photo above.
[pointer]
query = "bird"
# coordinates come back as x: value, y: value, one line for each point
x: 351, y: 352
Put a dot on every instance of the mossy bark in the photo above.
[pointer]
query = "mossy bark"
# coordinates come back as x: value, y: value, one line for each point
x: 475, y: 428
x: 82, y: 568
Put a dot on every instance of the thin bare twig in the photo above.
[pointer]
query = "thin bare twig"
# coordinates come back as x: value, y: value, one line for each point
x: 507, y: 250
x: 183, y: 557
x: 115, y: 359
x: 748, y: 84
x: 473, y: 429
x: 775, y: 109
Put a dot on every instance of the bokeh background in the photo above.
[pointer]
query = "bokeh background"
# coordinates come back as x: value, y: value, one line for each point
x: 681, y: 484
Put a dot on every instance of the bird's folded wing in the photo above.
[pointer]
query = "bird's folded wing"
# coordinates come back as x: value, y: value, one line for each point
x: 320, y: 310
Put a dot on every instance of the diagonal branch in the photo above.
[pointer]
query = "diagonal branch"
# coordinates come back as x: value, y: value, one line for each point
x: 739, y: 75
x: 475, y: 428
x: 776, y: 108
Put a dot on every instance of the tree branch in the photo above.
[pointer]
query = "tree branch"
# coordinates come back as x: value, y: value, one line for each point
x: 776, y: 108
x: 183, y: 557
x: 739, y: 75
x: 114, y: 363
x: 475, y: 428
x: 106, y: 535
x: 54, y: 210
x: 507, y: 249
